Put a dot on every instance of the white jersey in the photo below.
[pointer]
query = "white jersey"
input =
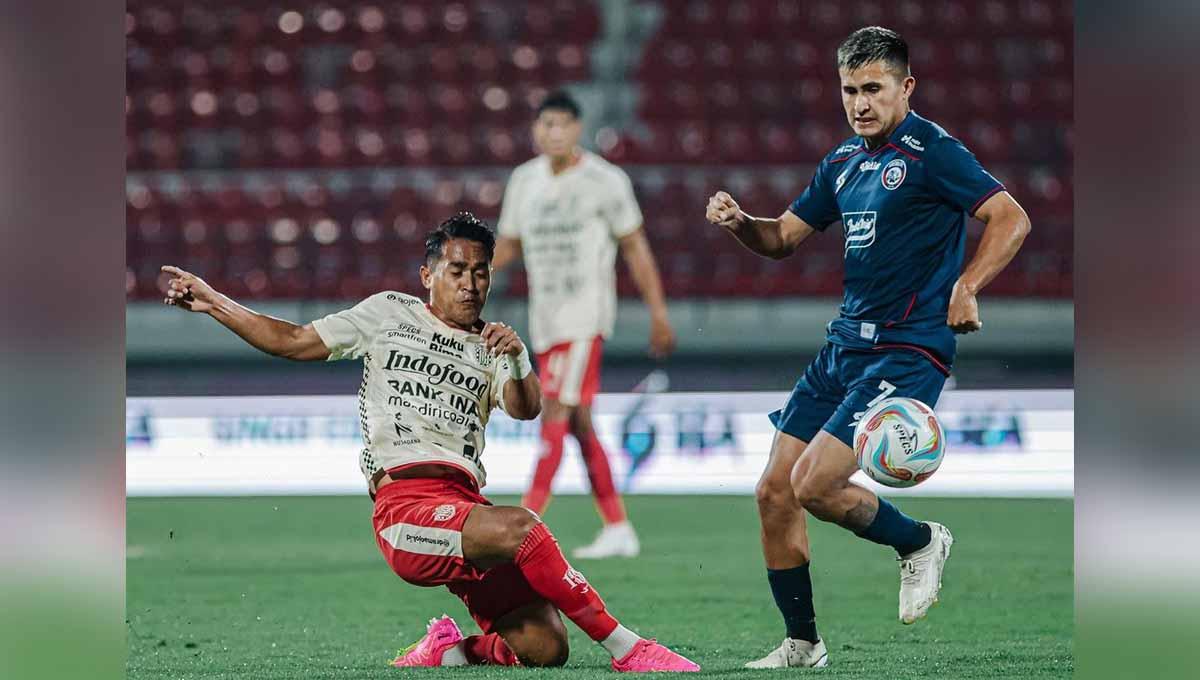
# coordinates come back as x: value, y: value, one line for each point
x: 427, y: 389
x: 568, y: 225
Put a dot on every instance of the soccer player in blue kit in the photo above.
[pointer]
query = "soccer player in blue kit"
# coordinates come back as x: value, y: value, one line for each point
x: 903, y: 189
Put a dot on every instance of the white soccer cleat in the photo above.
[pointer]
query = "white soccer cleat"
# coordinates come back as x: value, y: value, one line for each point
x: 614, y: 540
x: 921, y: 574
x: 794, y: 654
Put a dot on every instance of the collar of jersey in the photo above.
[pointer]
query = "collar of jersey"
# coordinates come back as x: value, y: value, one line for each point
x: 583, y: 158
x: 447, y: 326
x: 909, y: 118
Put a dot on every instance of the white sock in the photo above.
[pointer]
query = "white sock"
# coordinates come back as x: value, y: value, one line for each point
x: 456, y: 655
x: 620, y: 642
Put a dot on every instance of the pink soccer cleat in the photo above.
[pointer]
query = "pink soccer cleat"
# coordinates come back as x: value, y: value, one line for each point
x: 441, y: 635
x: 647, y: 656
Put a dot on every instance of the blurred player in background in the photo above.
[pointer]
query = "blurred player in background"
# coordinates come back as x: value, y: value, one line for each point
x: 902, y: 188
x: 567, y: 211
x: 431, y: 375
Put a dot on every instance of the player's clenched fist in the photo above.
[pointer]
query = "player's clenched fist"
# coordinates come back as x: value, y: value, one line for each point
x: 500, y: 339
x: 723, y: 210
x: 963, y: 313
x: 189, y: 291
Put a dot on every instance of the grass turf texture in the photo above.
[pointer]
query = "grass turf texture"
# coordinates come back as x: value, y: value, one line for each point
x: 261, y: 588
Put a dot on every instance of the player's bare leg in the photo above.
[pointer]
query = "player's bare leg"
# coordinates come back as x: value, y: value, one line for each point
x: 784, y: 536
x: 535, y: 633
x: 821, y: 482
x: 786, y: 553
x: 617, y: 537
x: 496, y: 535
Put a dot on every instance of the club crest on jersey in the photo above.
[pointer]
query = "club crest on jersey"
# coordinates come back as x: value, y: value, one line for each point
x: 482, y: 357
x: 443, y: 513
x: 894, y: 173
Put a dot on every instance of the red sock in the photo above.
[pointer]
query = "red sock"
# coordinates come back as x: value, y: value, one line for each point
x: 552, y: 452
x: 612, y: 510
x: 544, y: 566
x: 489, y: 649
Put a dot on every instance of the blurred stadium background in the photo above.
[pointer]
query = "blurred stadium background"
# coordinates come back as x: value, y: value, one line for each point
x: 294, y: 154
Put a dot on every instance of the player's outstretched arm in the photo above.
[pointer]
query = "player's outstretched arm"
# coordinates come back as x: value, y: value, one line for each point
x: 635, y: 249
x: 273, y: 336
x: 1007, y: 226
x: 775, y: 238
x: 522, y: 392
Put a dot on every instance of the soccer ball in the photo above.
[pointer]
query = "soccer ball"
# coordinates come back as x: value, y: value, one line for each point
x: 899, y: 442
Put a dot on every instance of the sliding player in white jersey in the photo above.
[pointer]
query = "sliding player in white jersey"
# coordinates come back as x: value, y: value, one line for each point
x: 432, y: 372
x: 567, y: 212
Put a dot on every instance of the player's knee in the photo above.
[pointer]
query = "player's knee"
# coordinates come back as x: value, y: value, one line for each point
x: 553, y: 411
x: 772, y: 497
x: 580, y: 422
x: 516, y: 527
x: 551, y: 651
x: 812, y: 495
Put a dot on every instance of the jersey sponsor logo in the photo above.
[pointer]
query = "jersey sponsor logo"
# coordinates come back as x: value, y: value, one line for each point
x: 860, y: 229
x: 913, y: 142
x: 404, y: 300
x: 846, y: 148
x: 444, y: 513
x: 465, y: 405
x: 423, y: 540
x: 894, y: 173
x: 448, y: 346
x: 435, y: 373
x: 867, y: 166
x: 406, y: 331
x: 416, y: 390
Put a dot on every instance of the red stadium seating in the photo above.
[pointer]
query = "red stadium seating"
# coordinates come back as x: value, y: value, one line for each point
x: 292, y: 109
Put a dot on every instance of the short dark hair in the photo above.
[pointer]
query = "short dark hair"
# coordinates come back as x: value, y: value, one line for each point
x: 871, y: 44
x: 559, y: 100
x: 464, y: 225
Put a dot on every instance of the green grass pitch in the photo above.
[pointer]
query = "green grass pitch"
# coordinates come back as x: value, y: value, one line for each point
x: 258, y: 588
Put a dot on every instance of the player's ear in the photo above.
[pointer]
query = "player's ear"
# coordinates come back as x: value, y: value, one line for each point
x: 908, y: 85
x: 426, y: 276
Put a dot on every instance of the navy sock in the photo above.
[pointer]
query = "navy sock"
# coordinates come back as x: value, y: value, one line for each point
x: 894, y: 528
x: 792, y: 589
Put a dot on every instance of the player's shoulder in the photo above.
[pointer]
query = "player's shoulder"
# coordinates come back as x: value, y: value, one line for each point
x: 844, y: 151
x: 599, y: 168
x: 920, y: 136
x: 393, y: 301
x: 528, y: 168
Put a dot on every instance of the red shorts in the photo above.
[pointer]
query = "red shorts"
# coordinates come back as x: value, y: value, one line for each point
x: 418, y: 526
x: 570, y: 371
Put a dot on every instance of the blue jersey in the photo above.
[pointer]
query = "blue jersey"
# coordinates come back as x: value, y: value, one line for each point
x: 904, y: 209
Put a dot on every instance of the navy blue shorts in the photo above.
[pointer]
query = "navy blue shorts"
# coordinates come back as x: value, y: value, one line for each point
x: 842, y: 383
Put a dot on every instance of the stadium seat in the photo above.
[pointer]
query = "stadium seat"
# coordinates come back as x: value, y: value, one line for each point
x: 436, y: 98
